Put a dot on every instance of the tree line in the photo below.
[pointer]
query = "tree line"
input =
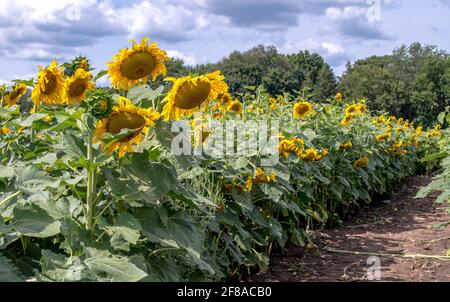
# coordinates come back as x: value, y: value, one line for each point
x: 412, y: 82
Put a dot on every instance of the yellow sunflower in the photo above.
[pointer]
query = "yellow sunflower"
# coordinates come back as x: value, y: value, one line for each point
x: 78, y: 85
x: 224, y: 100
x: 347, y: 119
x: 339, y: 97
x: 259, y: 178
x: 302, y: 109
x: 235, y: 106
x: 125, y: 116
x: 361, y: 108
x: 133, y: 66
x: 49, y: 88
x: 352, y: 109
x: 189, y: 93
x: 4, y: 131
x: 14, y: 96
x: 382, y: 137
x: 361, y: 162
x: 346, y: 145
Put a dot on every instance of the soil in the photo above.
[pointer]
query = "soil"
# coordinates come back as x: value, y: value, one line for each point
x: 401, y: 225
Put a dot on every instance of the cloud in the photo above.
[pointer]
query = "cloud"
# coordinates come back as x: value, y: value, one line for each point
x: 333, y: 53
x: 356, y: 22
x: 189, y: 59
x: 165, y: 20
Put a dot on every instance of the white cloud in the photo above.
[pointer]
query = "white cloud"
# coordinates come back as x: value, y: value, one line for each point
x: 189, y: 59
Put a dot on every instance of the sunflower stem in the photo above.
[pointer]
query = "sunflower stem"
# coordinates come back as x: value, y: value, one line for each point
x: 91, y: 186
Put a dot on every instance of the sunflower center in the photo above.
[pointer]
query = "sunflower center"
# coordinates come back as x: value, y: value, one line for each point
x: 125, y: 120
x: 302, y: 109
x: 191, y: 95
x: 50, y: 84
x: 137, y: 65
x: 77, y: 88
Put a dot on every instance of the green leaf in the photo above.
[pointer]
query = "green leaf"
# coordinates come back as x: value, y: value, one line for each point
x: 28, y: 121
x: 6, y: 172
x: 114, y: 268
x: 9, y: 272
x: 100, y: 74
x: 57, y: 267
x: 31, y: 220
x: 31, y: 179
x: 124, y: 232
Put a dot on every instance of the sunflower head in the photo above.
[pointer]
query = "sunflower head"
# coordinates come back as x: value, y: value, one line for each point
x: 339, y: 97
x: 351, y: 109
x: 189, y: 94
x: 49, y: 88
x: 4, y: 131
x: 347, y: 119
x: 125, y: 116
x: 363, y: 161
x: 309, y: 154
x: 133, y: 66
x: 100, y: 103
x: 346, y: 145
x: 361, y: 108
x: 235, y: 106
x: 302, y: 109
x: 77, y: 86
x: 18, y: 91
x: 224, y: 100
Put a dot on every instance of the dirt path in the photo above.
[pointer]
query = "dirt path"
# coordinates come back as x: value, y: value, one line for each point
x: 401, y: 225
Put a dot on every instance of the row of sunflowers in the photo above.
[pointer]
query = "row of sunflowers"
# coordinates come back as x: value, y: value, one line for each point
x: 91, y: 190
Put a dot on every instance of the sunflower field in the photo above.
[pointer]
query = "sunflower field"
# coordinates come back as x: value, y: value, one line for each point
x: 92, y: 190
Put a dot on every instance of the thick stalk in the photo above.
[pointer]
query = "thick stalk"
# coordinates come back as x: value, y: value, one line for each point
x: 91, y: 187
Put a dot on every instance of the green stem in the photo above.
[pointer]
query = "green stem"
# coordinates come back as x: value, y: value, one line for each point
x: 2, y: 202
x: 91, y: 186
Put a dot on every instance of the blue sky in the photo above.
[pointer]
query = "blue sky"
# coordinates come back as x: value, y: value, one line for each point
x: 201, y: 31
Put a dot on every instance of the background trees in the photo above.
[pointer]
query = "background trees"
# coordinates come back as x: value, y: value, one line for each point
x: 412, y: 82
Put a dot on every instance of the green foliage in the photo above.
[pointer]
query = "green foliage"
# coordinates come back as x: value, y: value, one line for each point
x: 413, y: 82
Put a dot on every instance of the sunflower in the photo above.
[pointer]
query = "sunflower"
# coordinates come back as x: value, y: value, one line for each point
x: 352, y: 109
x: 235, y: 106
x: 383, y: 137
x: 346, y: 145
x: 361, y: 108
x: 133, y: 66
x: 78, y: 85
x: 339, y: 97
x: 4, y: 131
x: 201, y: 131
x: 49, y: 88
x: 347, y: 119
x: 125, y: 116
x: 302, y: 109
x: 14, y: 96
x: 189, y: 93
x: 361, y: 162
x: 224, y: 100
x: 309, y: 155
x: 259, y: 178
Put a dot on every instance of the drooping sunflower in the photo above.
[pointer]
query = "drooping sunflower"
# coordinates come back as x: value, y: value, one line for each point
x: 133, y: 66
x: 302, y: 109
x: 383, y: 137
x: 259, y: 178
x: 49, y: 89
x: 235, y: 106
x: 14, y: 96
x: 125, y: 116
x: 78, y: 85
x: 363, y: 161
x: 189, y: 93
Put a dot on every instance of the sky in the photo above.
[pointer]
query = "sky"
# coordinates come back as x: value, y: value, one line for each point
x: 34, y: 32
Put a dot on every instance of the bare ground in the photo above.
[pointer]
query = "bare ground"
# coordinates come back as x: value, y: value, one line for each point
x: 402, y: 225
